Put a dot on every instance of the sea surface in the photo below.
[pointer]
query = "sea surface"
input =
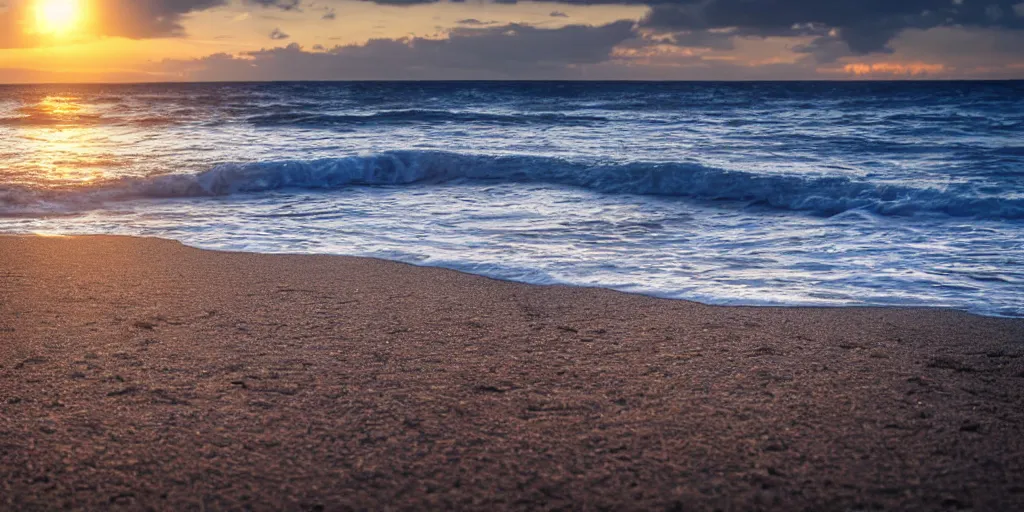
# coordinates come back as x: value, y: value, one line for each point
x: 833, y: 194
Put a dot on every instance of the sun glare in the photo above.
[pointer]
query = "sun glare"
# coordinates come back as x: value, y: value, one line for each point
x: 58, y: 17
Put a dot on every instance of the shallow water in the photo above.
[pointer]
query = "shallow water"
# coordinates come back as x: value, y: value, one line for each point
x: 752, y: 193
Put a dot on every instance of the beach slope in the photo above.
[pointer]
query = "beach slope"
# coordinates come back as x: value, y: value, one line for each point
x: 141, y: 373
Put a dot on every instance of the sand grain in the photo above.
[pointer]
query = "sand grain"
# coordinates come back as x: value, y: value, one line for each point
x: 142, y: 373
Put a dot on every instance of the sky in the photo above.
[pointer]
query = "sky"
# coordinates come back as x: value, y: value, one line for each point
x: 242, y: 40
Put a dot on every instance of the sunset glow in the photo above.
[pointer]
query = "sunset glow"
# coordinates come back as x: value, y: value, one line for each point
x: 109, y: 41
x: 895, y: 69
x: 511, y: 254
x: 58, y: 17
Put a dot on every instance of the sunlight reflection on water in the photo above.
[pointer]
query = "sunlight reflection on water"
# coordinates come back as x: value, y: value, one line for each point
x: 728, y: 193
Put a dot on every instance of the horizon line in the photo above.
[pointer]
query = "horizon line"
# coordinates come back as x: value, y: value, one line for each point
x: 526, y: 80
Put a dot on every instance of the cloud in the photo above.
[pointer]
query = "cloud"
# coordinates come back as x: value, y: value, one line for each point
x: 912, y: 69
x: 675, y: 39
x: 703, y: 39
x: 473, y: 22
x: 865, y: 26
x: 619, y: 50
x: 506, y: 51
x: 146, y: 18
x: 127, y: 18
x: 558, y: 14
x: 406, y: 3
x: 862, y: 26
x: 284, y: 5
x: 962, y: 48
x: 134, y: 19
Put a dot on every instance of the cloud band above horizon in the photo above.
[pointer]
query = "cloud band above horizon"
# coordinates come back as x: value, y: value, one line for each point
x: 572, y: 39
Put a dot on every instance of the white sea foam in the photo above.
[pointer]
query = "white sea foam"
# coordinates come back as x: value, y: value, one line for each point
x: 821, y: 195
x: 827, y: 194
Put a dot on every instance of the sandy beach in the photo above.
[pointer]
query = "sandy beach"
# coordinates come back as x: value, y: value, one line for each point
x: 143, y: 374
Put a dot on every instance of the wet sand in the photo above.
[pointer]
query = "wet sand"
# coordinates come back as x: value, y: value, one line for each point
x: 139, y: 373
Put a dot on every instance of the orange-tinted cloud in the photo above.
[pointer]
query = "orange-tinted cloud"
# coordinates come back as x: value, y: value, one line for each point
x: 894, y: 69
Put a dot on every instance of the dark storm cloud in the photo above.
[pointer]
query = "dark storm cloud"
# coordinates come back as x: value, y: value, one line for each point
x: 513, y: 50
x: 863, y: 26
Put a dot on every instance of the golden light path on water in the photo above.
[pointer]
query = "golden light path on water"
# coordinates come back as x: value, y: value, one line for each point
x: 726, y: 193
x: 57, y: 147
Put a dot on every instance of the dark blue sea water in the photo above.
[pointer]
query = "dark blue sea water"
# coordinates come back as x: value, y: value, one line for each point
x: 908, y: 193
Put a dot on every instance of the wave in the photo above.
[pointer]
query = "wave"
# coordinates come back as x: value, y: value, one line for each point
x: 77, y: 120
x: 416, y: 116
x: 813, y: 194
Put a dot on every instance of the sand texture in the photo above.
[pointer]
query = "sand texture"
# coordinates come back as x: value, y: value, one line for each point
x: 142, y: 374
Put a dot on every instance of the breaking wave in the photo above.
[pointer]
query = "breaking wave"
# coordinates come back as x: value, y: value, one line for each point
x: 818, y: 195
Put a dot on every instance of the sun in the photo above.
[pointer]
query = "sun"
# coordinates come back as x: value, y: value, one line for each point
x: 58, y: 17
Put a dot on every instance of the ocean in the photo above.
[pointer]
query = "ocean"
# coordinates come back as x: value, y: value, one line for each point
x: 783, y: 193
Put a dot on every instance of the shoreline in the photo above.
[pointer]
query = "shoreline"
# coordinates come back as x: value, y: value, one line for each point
x: 145, y: 373
x: 568, y: 285
x: 542, y: 285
